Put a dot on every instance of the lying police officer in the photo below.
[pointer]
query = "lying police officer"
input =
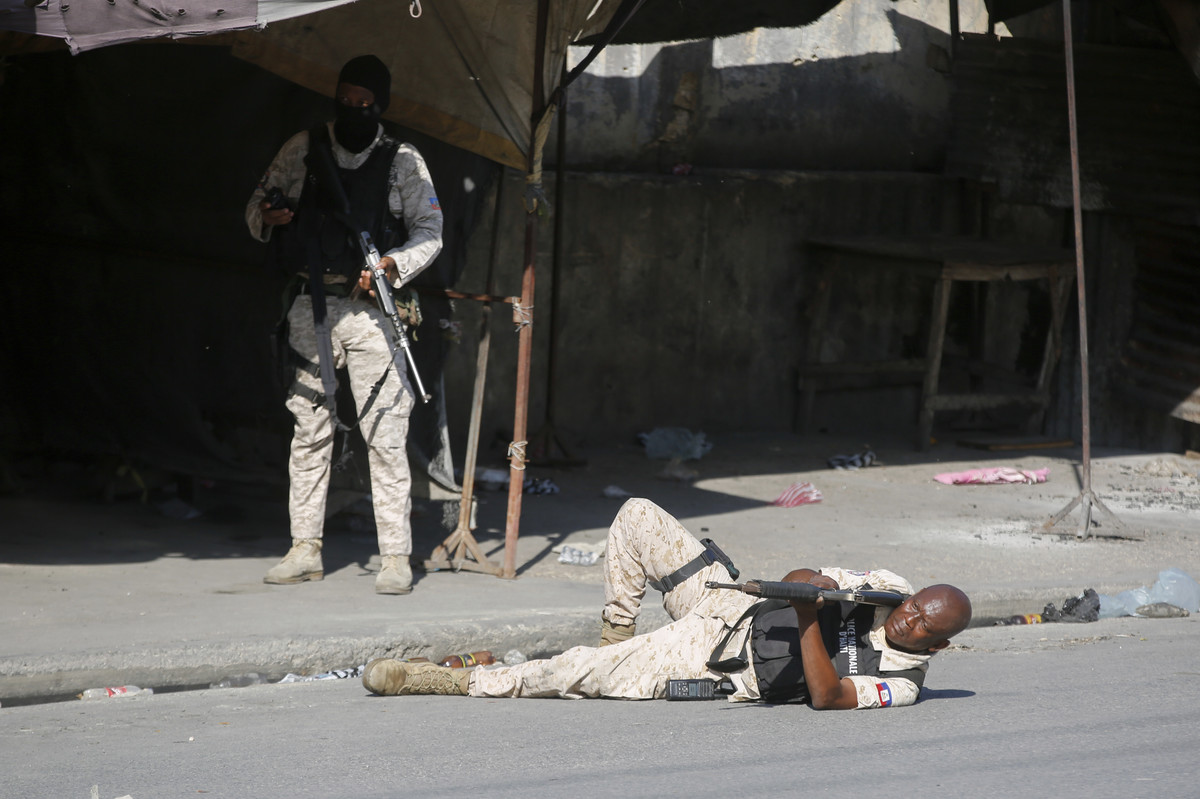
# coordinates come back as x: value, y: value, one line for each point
x: 835, y: 655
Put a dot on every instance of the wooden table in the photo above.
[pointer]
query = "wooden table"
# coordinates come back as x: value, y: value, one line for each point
x: 943, y: 260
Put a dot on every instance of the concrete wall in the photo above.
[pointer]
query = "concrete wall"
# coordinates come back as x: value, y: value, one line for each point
x: 683, y: 295
x: 686, y: 301
x: 863, y: 87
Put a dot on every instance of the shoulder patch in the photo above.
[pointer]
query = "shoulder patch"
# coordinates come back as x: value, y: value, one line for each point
x: 885, y: 694
x: 434, y: 204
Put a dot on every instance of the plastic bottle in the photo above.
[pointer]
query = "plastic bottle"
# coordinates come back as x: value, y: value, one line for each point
x: 468, y: 659
x: 1026, y: 618
x: 114, y: 691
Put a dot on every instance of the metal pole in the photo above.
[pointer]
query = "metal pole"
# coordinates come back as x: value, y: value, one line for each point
x: 516, y: 452
x: 452, y: 553
x: 1076, y: 194
x: 1087, y: 499
x: 556, y: 263
x: 481, y: 360
x: 546, y: 441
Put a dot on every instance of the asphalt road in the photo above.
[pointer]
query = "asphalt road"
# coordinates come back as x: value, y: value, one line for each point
x: 1098, y: 710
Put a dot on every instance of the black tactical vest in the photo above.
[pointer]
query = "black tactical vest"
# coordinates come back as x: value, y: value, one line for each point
x: 318, y: 231
x: 845, y: 629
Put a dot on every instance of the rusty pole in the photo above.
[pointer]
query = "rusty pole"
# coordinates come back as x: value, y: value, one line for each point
x: 524, y: 314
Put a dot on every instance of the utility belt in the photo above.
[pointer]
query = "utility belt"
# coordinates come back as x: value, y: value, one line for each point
x: 408, y: 305
x: 334, y: 285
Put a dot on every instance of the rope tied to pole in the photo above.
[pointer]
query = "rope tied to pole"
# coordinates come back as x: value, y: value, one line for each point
x: 522, y: 314
x: 535, y: 194
x: 516, y: 454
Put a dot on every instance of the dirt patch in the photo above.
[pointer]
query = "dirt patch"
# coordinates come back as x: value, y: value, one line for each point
x: 1162, y: 484
x: 1015, y: 535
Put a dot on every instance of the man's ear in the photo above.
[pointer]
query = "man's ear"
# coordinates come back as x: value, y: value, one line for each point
x: 940, y: 645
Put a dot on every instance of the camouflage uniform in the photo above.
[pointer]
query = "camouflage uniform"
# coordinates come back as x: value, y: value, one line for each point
x: 644, y: 542
x: 357, y: 332
x: 358, y: 336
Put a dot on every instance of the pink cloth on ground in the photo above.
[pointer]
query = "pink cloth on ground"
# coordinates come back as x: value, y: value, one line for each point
x: 798, y: 494
x: 999, y: 474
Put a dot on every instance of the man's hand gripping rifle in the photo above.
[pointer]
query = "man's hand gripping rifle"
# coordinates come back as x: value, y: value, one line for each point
x: 805, y: 592
x: 383, y: 293
x: 323, y: 168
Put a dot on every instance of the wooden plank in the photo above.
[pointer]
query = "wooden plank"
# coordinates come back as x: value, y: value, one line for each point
x: 914, y: 365
x: 979, y: 402
x: 999, y: 443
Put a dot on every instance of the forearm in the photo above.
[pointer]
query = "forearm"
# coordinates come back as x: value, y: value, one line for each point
x: 414, y: 199
x: 414, y: 257
x: 254, y: 220
x: 826, y: 690
x: 286, y: 173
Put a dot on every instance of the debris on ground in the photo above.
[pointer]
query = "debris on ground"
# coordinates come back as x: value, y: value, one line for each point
x: 993, y: 476
x: 675, y: 443
x: 114, y: 691
x: 1173, y: 587
x: 1079, y: 609
x: 615, y: 492
x: 582, y: 554
x: 239, y: 681
x: 176, y: 508
x: 335, y: 674
x: 467, y: 660
x: 801, y: 493
x: 1161, y: 610
x: 539, y: 485
x: 675, y: 470
x: 1082, y: 608
x: 491, y: 479
x: 851, y: 463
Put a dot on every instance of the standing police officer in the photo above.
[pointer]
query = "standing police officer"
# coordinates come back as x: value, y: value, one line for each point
x: 388, y: 192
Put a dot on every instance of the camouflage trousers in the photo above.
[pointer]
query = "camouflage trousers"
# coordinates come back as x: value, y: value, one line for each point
x: 644, y: 542
x: 358, y: 332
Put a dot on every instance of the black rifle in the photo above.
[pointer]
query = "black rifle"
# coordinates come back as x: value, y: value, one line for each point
x: 804, y: 592
x: 387, y: 304
x: 323, y: 169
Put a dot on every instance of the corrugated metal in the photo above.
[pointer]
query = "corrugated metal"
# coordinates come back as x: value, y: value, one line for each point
x: 1161, y: 365
x: 1139, y: 125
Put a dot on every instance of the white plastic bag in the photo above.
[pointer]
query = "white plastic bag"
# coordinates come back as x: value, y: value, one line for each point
x: 1174, y: 586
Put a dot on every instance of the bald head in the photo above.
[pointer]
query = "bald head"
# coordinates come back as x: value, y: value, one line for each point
x: 927, y: 620
x: 950, y: 607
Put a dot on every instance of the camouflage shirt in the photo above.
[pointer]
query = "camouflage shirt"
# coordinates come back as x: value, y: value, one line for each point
x: 411, y: 198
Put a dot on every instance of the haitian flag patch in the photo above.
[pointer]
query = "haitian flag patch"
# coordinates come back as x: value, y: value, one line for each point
x: 885, y: 694
x: 433, y: 203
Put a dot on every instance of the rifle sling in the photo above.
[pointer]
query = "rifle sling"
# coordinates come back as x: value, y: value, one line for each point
x: 316, y: 288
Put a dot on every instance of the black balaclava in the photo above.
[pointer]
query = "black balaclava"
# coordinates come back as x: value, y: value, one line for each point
x: 355, y: 128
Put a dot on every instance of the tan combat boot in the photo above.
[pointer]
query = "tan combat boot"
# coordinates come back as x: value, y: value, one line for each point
x: 302, y: 562
x: 395, y: 575
x: 388, y: 677
x: 615, y: 633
